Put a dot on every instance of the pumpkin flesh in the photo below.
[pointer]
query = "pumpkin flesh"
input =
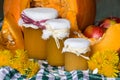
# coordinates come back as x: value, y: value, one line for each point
x: 11, y: 32
x: 12, y: 35
x: 14, y: 7
x: 81, y: 13
x: 110, y: 40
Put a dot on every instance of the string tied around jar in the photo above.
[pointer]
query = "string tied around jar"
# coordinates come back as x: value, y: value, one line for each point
x: 57, y: 34
x: 77, y: 51
x: 28, y: 20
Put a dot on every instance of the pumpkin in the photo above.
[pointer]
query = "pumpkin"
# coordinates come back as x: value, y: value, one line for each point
x: 109, y: 41
x: 1, y: 43
x: 81, y: 13
x: 87, y: 13
x: 12, y: 37
x: 14, y: 7
x: 11, y: 33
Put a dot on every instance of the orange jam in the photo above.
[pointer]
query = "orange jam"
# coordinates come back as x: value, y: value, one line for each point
x: 77, y: 52
x: 55, y: 57
x: 57, y: 30
x: 73, y: 62
x: 33, y: 22
x: 34, y: 44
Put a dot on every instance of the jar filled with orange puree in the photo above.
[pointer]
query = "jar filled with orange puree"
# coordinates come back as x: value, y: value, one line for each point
x: 57, y: 30
x: 77, y: 52
x: 32, y: 20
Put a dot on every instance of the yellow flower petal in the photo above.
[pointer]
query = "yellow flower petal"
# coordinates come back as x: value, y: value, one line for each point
x: 109, y: 70
x: 5, y: 56
x: 106, y: 62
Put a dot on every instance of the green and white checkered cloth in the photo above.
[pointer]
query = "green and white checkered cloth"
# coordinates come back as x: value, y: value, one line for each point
x: 48, y: 72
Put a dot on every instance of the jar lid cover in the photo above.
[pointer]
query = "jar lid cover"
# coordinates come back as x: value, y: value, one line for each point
x: 58, y: 23
x: 77, y: 42
x: 38, y: 13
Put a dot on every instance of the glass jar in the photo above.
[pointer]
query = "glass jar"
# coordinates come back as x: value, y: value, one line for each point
x: 77, y: 51
x: 56, y: 31
x: 54, y: 55
x: 32, y: 20
x: 34, y: 44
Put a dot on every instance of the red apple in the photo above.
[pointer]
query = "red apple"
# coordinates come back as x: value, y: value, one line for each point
x: 106, y: 23
x: 115, y: 19
x: 93, y: 31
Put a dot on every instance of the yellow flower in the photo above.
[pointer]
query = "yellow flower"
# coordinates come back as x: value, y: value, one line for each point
x: 5, y: 56
x: 111, y: 56
x: 32, y: 68
x: 104, y: 61
x: 119, y: 66
x: 98, y: 57
x: 23, y: 68
x: 96, y: 61
x: 18, y: 65
x: 109, y: 70
x: 21, y: 55
x: 93, y: 64
x: 20, y: 59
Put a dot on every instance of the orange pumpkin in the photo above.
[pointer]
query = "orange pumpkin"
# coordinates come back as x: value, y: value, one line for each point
x: 12, y: 37
x: 86, y: 13
x: 81, y: 13
x: 110, y: 40
x: 14, y: 7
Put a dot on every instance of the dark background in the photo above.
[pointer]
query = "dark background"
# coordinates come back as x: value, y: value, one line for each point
x: 1, y: 10
x: 105, y: 8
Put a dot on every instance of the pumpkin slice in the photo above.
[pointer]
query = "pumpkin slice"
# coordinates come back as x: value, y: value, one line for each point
x: 6, y: 6
x: 81, y: 13
x: 11, y: 33
x: 12, y: 37
x: 24, y: 4
x: 12, y: 7
x: 15, y: 7
x: 110, y: 40
x: 1, y: 40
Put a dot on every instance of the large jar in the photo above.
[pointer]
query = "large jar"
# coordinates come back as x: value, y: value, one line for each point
x: 56, y: 30
x: 77, y: 51
x: 32, y: 20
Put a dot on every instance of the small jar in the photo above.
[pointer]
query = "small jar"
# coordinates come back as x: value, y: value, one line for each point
x: 77, y: 51
x: 33, y: 20
x: 56, y: 30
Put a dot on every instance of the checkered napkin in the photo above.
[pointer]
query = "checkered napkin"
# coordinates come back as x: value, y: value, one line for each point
x: 48, y: 72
